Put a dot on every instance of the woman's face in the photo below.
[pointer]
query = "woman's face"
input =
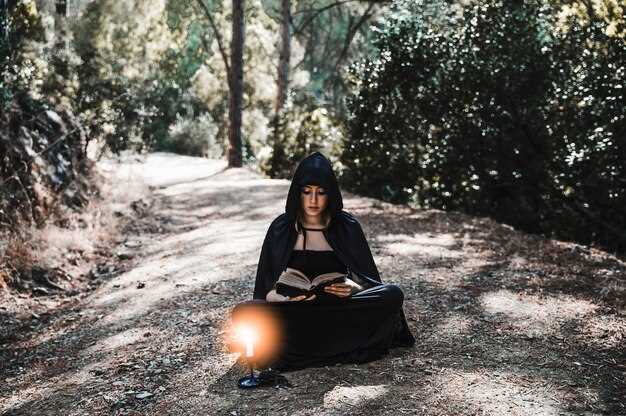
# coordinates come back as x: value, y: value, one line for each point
x: 314, y: 200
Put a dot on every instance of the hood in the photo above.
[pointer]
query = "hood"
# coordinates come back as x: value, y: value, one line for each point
x: 314, y: 169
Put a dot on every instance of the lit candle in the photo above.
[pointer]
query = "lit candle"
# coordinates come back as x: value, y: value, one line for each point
x: 249, y: 348
x: 248, y: 336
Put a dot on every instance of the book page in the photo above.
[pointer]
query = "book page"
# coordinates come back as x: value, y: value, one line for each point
x: 326, y: 277
x: 295, y: 278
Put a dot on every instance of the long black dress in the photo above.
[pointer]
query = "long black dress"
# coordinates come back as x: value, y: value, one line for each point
x: 325, y: 331
x: 329, y: 329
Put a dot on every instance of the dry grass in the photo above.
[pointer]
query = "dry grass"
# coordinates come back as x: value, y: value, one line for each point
x: 20, y: 252
x: 68, y: 245
x: 60, y: 240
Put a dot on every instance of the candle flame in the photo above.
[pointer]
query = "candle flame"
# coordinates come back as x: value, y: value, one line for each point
x: 248, y: 336
x: 255, y: 333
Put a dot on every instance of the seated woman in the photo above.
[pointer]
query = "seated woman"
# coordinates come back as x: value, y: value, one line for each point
x: 351, y: 322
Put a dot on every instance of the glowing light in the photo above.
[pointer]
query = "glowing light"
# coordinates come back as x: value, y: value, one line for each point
x: 256, y: 333
x: 249, y: 336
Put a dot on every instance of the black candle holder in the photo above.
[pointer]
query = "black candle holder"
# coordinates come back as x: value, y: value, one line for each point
x: 250, y: 381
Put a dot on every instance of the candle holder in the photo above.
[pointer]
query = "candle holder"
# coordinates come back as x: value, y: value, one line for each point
x: 248, y: 335
x: 250, y: 381
x: 258, y: 336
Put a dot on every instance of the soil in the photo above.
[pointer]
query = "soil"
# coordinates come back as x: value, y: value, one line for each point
x: 506, y: 323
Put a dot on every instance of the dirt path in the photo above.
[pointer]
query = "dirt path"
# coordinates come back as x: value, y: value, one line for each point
x: 507, y: 323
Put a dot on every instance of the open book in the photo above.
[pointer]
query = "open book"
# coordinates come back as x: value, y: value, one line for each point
x: 293, y: 282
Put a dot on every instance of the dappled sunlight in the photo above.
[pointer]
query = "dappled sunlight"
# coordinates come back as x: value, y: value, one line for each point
x: 48, y: 386
x: 201, y: 261
x: 116, y: 341
x: 345, y: 397
x: 181, y: 262
x: 207, y: 241
x: 121, y: 355
x: 535, y: 314
x: 603, y: 332
x: 498, y: 393
x: 165, y: 169
x: 190, y: 259
x: 141, y: 289
x: 211, y: 366
x: 454, y: 325
x: 475, y: 263
x: 219, y: 185
x: 518, y: 262
x: 344, y: 400
x: 423, y: 245
x: 27, y: 394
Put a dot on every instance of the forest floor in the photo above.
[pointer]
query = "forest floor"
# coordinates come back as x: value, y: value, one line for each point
x: 506, y: 323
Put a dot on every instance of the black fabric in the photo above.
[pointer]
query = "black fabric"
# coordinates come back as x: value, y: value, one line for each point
x: 343, y: 233
x: 346, y: 238
x: 357, y: 329
x: 315, y: 262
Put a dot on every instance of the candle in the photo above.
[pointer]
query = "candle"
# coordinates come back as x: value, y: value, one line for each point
x: 248, y: 336
x: 249, y: 348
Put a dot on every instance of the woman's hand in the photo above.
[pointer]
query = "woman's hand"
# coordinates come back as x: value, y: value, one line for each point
x: 301, y: 297
x: 343, y: 290
x: 272, y: 296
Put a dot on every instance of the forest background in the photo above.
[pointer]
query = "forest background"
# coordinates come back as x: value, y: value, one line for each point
x: 513, y: 110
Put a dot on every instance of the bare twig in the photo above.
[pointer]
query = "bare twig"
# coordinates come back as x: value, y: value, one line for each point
x: 352, y: 32
x: 218, y: 37
x: 30, y: 204
x: 317, y: 12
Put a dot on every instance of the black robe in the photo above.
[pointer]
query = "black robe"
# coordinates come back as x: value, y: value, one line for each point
x: 343, y: 233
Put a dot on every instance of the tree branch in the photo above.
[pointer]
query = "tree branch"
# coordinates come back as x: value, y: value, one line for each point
x: 218, y: 37
x: 317, y: 12
x: 352, y: 32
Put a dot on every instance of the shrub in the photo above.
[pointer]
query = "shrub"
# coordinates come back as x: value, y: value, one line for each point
x: 195, y: 137
x: 492, y: 111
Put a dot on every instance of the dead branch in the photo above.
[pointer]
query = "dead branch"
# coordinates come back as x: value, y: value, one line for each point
x: 218, y: 37
x: 317, y: 12
x: 352, y: 32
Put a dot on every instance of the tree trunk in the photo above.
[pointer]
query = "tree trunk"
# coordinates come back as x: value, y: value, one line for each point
x: 277, y: 161
x: 4, y: 19
x: 236, y: 85
x: 284, y: 56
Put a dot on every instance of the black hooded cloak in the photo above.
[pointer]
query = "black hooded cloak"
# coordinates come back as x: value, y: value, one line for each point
x: 343, y: 233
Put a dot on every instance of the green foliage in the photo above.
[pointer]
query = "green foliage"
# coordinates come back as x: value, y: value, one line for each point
x: 42, y: 144
x: 332, y: 39
x: 195, y: 136
x: 303, y: 129
x: 135, y: 76
x: 490, y: 110
x: 22, y: 22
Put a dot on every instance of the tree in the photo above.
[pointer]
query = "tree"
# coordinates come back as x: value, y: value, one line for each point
x: 494, y: 111
x: 282, y: 81
x: 340, y: 22
x: 236, y: 85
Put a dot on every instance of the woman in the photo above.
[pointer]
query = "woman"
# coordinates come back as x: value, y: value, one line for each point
x: 351, y: 322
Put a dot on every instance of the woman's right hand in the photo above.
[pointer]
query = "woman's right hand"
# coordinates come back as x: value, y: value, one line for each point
x: 301, y: 297
x: 272, y: 296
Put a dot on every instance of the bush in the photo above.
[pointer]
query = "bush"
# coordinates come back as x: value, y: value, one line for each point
x: 195, y: 137
x: 492, y: 111
x: 42, y: 144
x: 303, y: 129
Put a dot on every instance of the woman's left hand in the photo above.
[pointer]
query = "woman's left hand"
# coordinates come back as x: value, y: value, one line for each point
x: 343, y: 290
